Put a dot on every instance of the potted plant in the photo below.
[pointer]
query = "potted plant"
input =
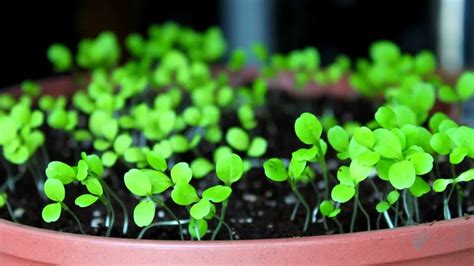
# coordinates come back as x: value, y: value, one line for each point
x: 212, y: 166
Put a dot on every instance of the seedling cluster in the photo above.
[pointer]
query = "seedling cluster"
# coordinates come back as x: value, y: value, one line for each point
x: 165, y: 139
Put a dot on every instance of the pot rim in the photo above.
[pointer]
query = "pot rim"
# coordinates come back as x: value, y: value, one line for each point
x: 25, y: 229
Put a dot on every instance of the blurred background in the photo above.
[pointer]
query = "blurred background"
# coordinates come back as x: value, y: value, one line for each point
x: 334, y: 27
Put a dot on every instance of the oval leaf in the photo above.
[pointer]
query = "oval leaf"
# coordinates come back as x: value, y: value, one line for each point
x: 144, y: 213
x: 402, y: 174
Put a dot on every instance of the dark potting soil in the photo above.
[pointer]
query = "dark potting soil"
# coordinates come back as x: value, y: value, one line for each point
x: 258, y: 208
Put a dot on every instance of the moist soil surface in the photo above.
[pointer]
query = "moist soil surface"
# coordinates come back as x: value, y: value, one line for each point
x: 258, y: 208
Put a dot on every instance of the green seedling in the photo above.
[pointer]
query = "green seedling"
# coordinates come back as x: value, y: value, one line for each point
x: 60, y: 56
x: 239, y: 140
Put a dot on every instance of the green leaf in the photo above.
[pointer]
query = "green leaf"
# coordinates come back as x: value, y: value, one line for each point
x: 9, y: 129
x: 217, y: 193
x: 181, y: 172
x: 338, y: 138
x: 368, y: 158
x: 447, y: 94
x: 439, y: 185
x: 384, y: 52
x: 387, y: 144
x: 436, y: 120
x: 402, y: 174
x: 465, y: 176
x: 134, y: 155
x: 441, y: 143
x: 326, y: 207
x: 197, y: 228
x: 192, y: 116
x: 422, y: 161
x: 405, y: 115
x: 122, y: 143
x: 85, y: 200
x: 60, y: 56
x: 94, y: 163
x: 465, y: 86
x: 334, y: 213
x: 382, y: 207
x: 393, y: 197
x: 305, y: 154
x: 144, y: 213
x: 179, y: 143
x: 275, y: 170
x: 344, y: 176
x: 54, y: 189
x: 159, y: 181
x: 229, y: 169
x: 386, y: 117
x: 308, y: 128
x: 420, y: 187
x: 342, y: 193
x: 51, y: 212
x: 201, y: 167
x: 458, y: 154
x: 296, y: 168
x: 237, y: 138
x: 82, y: 170
x: 137, y: 182
x: 200, y: 209
x: 109, y: 158
x: 184, y: 194
x: 156, y: 161
x: 93, y: 186
x: 359, y: 172
x: 61, y: 171
x: 364, y: 136
x: 258, y: 147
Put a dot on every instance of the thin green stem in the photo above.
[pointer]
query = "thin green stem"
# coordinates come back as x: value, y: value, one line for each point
x: 408, y: 211
x: 295, y: 209
x: 324, y: 168
x: 10, y: 211
x: 377, y: 222
x: 397, y: 213
x: 460, y: 196
x: 110, y: 215
x: 387, y: 219
x: 305, y: 205
x: 38, y: 182
x: 367, y: 217
x: 180, y: 226
x: 339, y: 225
x: 316, y: 208
x: 446, y: 211
x: 66, y: 208
x: 417, y: 211
x: 354, y: 215
x: 158, y: 224
x: 122, y: 206
x: 221, y: 219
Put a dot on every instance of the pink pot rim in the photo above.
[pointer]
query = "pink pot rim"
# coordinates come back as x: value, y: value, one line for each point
x: 435, y: 239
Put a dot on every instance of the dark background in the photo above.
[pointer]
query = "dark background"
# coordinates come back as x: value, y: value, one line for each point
x: 334, y: 27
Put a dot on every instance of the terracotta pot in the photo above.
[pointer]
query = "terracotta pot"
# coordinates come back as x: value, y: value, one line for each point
x: 444, y: 243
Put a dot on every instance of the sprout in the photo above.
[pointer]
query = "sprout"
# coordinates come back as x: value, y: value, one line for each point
x: 60, y: 56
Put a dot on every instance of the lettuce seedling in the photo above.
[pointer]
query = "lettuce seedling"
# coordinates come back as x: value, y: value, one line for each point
x: 60, y: 56
x: 54, y: 190
x: 237, y: 60
x: 239, y: 140
x: 440, y: 185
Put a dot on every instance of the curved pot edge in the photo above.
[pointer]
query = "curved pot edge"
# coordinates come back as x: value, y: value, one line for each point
x: 391, y: 245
